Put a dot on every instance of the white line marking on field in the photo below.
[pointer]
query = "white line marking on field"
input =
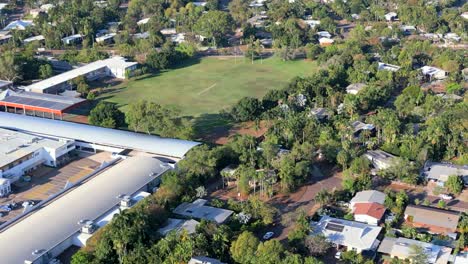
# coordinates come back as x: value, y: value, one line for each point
x: 207, y: 89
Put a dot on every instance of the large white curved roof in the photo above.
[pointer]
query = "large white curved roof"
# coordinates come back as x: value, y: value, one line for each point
x: 111, y: 137
x: 49, y: 226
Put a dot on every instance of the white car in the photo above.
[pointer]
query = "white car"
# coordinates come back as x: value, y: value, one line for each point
x: 268, y: 235
x: 447, y: 197
x: 338, y: 255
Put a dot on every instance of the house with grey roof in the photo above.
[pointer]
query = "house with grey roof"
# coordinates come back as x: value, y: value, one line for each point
x: 402, y: 248
x: 380, y: 159
x: 320, y: 113
x: 179, y: 225
x: 439, y: 172
x: 355, y: 88
x: 433, y: 220
x: 199, y: 210
x: 368, y: 196
x: 349, y: 234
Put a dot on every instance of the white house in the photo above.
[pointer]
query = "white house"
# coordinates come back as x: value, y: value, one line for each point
x: 388, y: 67
x: 326, y: 41
x: 401, y: 248
x: 392, y: 16
x: 19, y: 25
x: 349, y: 234
x: 324, y: 34
x: 449, y: 37
x: 144, y: 21
x: 73, y: 39
x: 380, y: 159
x: 355, y: 88
x: 464, y: 15
x: 33, y: 39
x: 433, y: 73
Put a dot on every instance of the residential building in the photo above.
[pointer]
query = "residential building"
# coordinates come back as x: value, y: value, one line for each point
x: 143, y: 21
x: 46, y: 7
x: 202, y: 4
x: 391, y: 16
x: 199, y: 210
x: 18, y: 25
x: 115, y: 67
x: 359, y: 126
x: 431, y: 219
x: 106, y: 39
x: 370, y: 213
x: 326, y: 42
x: 349, y: 234
x: 408, y: 30
x: 368, y: 196
x: 452, y: 37
x: 116, y: 187
x: 464, y: 15
x: 324, y: 34
x: 387, y: 67
x: 73, y: 39
x: 380, y: 159
x: 5, y: 37
x: 204, y: 260
x: 320, y: 113
x: 179, y: 225
x: 433, y: 73
x: 312, y: 23
x: 91, y: 138
x: 355, y: 88
x: 401, y: 248
x: 439, y: 172
x: 33, y: 39
x: 22, y: 152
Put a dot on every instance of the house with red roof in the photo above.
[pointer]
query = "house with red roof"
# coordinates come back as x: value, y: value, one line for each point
x: 370, y: 213
x: 368, y: 206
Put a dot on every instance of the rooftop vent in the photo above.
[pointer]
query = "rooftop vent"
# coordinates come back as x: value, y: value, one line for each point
x: 89, y: 227
x: 38, y: 252
x: 126, y: 201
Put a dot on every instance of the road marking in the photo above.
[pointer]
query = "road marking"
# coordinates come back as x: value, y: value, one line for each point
x: 207, y: 89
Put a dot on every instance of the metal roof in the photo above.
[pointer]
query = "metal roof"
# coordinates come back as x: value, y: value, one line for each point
x: 98, y: 135
x: 48, y: 101
x: 86, y: 69
x: 431, y: 216
x: 369, y: 196
x: 49, y: 226
x: 347, y: 233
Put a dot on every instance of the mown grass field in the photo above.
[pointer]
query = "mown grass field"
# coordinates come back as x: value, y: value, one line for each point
x: 209, y: 85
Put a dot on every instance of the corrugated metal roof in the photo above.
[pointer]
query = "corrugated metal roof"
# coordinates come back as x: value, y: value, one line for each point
x: 51, y: 225
x: 110, y: 137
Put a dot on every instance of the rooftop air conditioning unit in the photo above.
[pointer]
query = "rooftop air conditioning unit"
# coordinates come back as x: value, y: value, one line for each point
x: 89, y: 228
x: 126, y: 202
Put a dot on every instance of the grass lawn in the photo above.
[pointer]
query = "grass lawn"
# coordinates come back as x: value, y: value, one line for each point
x: 209, y: 85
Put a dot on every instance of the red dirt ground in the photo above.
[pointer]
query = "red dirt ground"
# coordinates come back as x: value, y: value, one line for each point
x: 223, y: 135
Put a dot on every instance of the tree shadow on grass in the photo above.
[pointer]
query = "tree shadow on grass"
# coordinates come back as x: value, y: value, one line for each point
x: 210, y: 127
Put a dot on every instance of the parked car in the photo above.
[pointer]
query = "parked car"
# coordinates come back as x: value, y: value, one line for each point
x: 338, y: 255
x: 268, y: 235
x: 447, y: 197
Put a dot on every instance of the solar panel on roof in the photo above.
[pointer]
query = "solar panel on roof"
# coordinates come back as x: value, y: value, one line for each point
x: 334, y: 227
